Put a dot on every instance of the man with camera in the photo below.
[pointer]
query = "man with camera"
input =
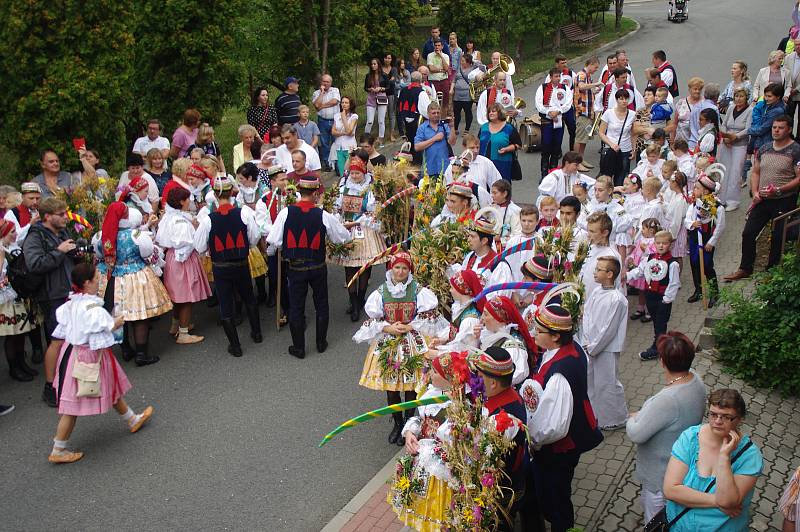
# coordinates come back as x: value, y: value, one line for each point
x: 50, y: 254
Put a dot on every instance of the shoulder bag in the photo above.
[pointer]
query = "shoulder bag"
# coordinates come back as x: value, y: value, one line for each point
x: 611, y: 160
x: 659, y: 522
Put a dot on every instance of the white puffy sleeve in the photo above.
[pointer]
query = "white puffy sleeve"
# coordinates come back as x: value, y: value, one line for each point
x: 262, y: 218
x: 145, y: 243
x: 253, y: 232
x: 62, y: 316
x: 465, y: 336
x: 374, y: 324
x: 480, y: 115
x: 520, y: 357
x: 200, y: 237
x: 428, y: 320
x: 707, y: 143
x: 550, y: 421
x: 548, y: 186
x: 720, y: 226
x: 98, y: 325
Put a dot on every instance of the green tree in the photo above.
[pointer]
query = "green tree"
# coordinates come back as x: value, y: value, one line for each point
x: 67, y: 67
x: 474, y: 19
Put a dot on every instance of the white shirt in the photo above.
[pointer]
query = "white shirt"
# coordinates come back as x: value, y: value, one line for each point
x: 332, y: 94
x: 481, y: 171
x: 550, y: 421
x: 175, y: 230
x: 426, y: 96
x: 559, y: 185
x: 674, y: 278
x: 561, y: 106
x: 22, y: 232
x: 615, y: 126
x: 604, y: 322
x: 516, y: 260
x: 587, y: 272
x: 631, y: 78
x: 638, y: 99
x: 335, y: 231
x: 515, y: 347
x: 654, y: 208
x: 247, y: 215
x: 82, y: 320
x: 692, y: 216
x: 283, y: 156
x: 482, y: 112
x: 144, y: 145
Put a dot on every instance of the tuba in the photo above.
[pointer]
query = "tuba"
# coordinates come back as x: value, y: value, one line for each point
x: 483, y: 82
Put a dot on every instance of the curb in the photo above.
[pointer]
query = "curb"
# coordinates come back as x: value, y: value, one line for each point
x: 351, y: 508
x: 360, y: 499
x: 580, y: 59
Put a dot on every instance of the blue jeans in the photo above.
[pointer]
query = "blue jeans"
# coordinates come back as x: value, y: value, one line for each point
x: 325, y: 138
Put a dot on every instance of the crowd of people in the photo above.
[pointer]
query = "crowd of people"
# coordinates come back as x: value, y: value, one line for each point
x: 185, y: 228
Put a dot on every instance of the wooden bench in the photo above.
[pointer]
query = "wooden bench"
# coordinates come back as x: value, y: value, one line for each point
x: 575, y: 33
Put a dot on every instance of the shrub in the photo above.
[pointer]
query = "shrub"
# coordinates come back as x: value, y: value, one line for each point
x: 758, y: 340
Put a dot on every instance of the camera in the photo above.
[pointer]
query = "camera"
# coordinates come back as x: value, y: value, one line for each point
x: 82, y: 249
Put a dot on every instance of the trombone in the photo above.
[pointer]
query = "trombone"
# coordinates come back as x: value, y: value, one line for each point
x: 591, y: 129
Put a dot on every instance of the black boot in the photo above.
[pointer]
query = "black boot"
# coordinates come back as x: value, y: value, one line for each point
x: 394, y: 435
x: 298, y: 347
x: 254, y: 318
x: 234, y: 347
x: 212, y: 301
x: 143, y: 357
x: 24, y: 365
x: 49, y: 395
x: 16, y: 373
x: 37, y: 350
x: 261, y: 288
x: 355, y: 306
x: 321, y: 332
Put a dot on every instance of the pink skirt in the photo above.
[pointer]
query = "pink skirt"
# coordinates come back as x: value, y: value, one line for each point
x: 186, y: 281
x: 113, y: 382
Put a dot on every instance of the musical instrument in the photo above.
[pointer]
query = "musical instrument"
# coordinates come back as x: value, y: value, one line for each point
x: 591, y: 129
x: 483, y: 82
x: 530, y: 132
x: 519, y: 104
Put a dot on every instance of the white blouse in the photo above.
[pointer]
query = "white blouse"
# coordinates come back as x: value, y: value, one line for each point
x: 82, y: 320
x: 175, y: 230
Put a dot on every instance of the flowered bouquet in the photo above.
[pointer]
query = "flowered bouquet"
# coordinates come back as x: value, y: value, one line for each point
x: 89, y: 200
x: 706, y: 207
x: 557, y: 245
x: 398, y: 359
x: 387, y: 182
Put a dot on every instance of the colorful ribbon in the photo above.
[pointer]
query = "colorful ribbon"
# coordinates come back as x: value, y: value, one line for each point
x: 522, y: 246
x: 79, y: 219
x: 391, y: 409
x: 391, y: 250
x: 400, y: 195
x: 524, y: 285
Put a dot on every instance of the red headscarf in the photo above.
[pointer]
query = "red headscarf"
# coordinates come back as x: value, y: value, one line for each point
x: 116, y: 211
x: 5, y: 227
x: 469, y: 283
x: 402, y: 257
x: 504, y: 310
x: 136, y: 184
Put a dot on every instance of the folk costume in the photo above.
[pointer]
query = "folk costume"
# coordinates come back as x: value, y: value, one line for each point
x: 710, y: 213
x: 602, y: 335
x: 394, y: 363
x: 539, y: 269
x: 558, y: 184
x: 477, y: 170
x: 463, y: 190
x: 21, y: 215
x: 489, y: 97
x: 513, y: 336
x: 561, y: 420
x: 267, y: 209
x: 248, y: 200
x: 482, y: 265
x: 662, y: 273
x: 516, y: 260
x: 356, y: 204
x: 228, y: 234
x: 465, y: 315
x: 301, y: 231
x: 549, y: 98
x: 587, y: 271
x: 138, y: 293
x: 620, y: 220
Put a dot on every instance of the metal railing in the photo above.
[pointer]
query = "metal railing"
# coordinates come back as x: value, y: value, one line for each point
x: 790, y: 220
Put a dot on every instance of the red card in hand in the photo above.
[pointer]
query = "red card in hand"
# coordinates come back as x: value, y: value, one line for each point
x: 79, y: 144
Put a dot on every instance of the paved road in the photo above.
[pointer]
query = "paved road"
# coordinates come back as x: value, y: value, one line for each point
x: 233, y: 442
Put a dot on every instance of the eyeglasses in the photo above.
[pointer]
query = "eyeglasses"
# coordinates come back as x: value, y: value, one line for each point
x: 62, y: 213
x: 722, y: 417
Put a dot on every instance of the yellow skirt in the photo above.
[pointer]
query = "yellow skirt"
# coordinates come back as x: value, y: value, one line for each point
x: 363, y: 250
x: 372, y: 378
x: 426, y: 514
x: 140, y: 295
x: 258, y: 266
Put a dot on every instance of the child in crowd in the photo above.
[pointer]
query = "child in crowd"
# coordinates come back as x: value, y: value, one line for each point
x: 602, y: 335
x: 667, y: 170
x: 677, y: 203
x: 306, y: 129
x: 250, y: 192
x: 644, y: 246
x: 685, y: 160
x: 632, y: 199
x: 654, y: 206
x: 534, y: 270
x: 508, y: 211
x: 705, y: 222
x: 651, y: 163
x: 548, y: 208
x: 603, y: 202
x: 598, y: 228
x: 581, y: 193
x: 528, y: 219
x: 662, y: 275
x: 661, y: 111
x: 708, y: 134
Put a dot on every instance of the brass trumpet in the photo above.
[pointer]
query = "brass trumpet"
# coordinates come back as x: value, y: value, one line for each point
x: 591, y: 129
x: 506, y: 65
x: 519, y: 104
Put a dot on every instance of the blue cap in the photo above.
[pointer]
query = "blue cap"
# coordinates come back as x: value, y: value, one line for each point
x: 291, y: 79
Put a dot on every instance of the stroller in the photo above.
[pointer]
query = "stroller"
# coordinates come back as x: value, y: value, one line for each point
x: 678, y: 10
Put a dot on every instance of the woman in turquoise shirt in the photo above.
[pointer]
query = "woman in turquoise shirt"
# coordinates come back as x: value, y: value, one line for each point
x: 703, y: 454
x: 499, y: 141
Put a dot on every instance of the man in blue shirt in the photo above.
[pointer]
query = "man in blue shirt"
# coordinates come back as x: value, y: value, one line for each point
x: 433, y: 137
x: 428, y: 47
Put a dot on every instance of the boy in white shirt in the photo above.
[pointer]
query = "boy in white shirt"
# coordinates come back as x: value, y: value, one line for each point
x: 599, y: 228
x: 528, y: 218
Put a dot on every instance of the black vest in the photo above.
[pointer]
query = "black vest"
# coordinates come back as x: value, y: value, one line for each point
x: 304, y: 233
x: 673, y: 89
x: 583, y: 434
x: 227, y: 240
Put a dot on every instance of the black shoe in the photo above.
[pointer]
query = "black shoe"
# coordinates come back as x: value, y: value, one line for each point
x: 234, y: 346
x: 17, y: 374
x: 254, y: 318
x: 127, y: 352
x: 145, y: 359
x: 212, y: 301
x: 394, y: 435
x: 25, y: 367
x: 49, y: 395
x: 6, y: 409
x: 647, y: 318
x: 297, y: 352
x: 322, y: 345
x: 694, y: 298
x: 649, y: 354
x: 37, y: 357
x: 639, y: 314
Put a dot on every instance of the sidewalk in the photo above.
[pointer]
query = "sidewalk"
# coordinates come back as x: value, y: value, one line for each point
x: 605, y: 494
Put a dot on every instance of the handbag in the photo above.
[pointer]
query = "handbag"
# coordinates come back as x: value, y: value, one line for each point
x: 382, y: 99
x: 87, y: 376
x: 659, y: 521
x: 610, y: 159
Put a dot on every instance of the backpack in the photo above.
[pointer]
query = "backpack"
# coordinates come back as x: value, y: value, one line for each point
x: 24, y: 282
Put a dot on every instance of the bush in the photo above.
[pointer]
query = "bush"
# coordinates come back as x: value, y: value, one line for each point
x: 758, y: 340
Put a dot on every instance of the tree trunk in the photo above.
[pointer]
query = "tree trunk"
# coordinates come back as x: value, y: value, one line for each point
x: 518, y: 53
x: 326, y: 15
x: 617, y: 14
x: 557, y: 39
x: 314, y: 29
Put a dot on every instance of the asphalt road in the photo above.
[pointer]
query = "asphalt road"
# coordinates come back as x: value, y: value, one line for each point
x: 233, y: 444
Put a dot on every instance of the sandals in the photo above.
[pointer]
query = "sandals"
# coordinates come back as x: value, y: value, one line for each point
x: 639, y: 314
